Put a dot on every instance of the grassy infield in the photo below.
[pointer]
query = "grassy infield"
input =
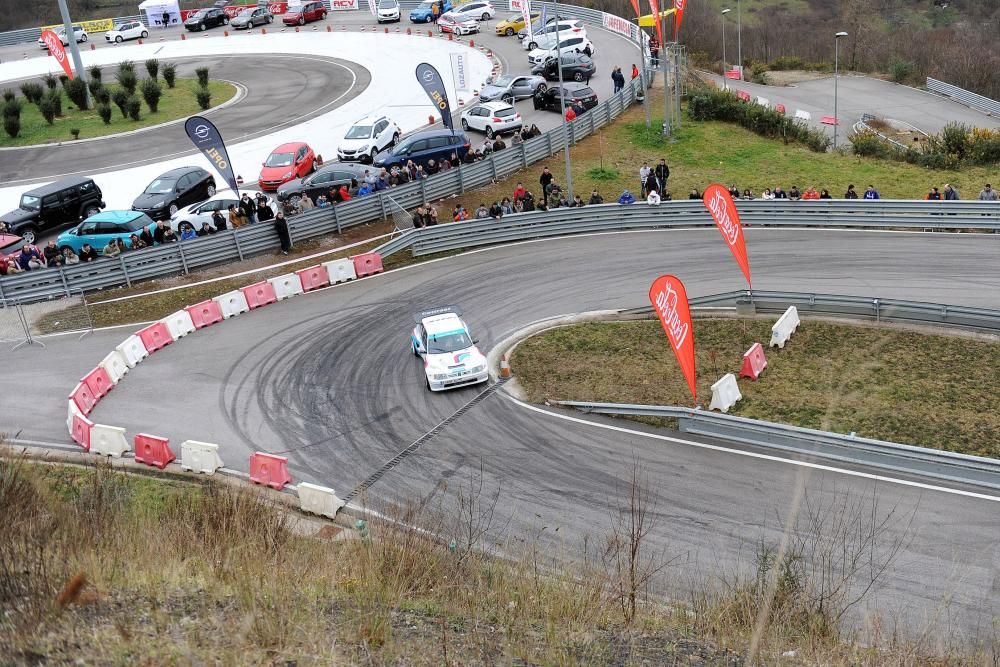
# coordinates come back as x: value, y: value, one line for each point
x: 203, y: 573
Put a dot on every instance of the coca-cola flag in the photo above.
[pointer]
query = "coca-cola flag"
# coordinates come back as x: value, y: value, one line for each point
x: 57, y: 51
x: 720, y: 204
x: 679, y: 6
x: 670, y: 301
x: 655, y: 6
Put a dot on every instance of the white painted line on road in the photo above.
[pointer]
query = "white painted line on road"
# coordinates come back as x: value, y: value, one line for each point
x: 756, y: 455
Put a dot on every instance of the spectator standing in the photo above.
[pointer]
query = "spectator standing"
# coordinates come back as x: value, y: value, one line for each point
x: 626, y: 198
x: 87, y: 253
x: 218, y: 220
x: 458, y: 214
x: 166, y: 19
x: 430, y: 214
x: 136, y: 243
x: 810, y: 193
x: 169, y: 236
x: 872, y: 193
x: 499, y: 144
x: 264, y: 212
x: 950, y: 193
x: 654, y: 51
x: 651, y: 184
x: 111, y: 249
x: 644, y: 172
x: 419, y: 220
x: 779, y: 193
x: 988, y: 193
x: 506, y: 208
x: 281, y: 229
x: 618, y: 78
x: 734, y: 191
x: 519, y: 191
x: 545, y: 180
x: 158, y: 232
x: 577, y: 202
x: 496, y: 212
x: 527, y: 202
x: 343, y: 194
x: 482, y: 212
x: 747, y: 194
x: 767, y: 195
x: 305, y: 204
x: 596, y: 198
x: 635, y: 72
x: 206, y: 229
x: 934, y: 195
x: 247, y: 208
x: 851, y: 192
x: 795, y: 194
x: 825, y: 194
x: 235, y: 219
x: 570, y: 114
x: 188, y: 233
x: 662, y: 173
x: 30, y: 258
x: 52, y: 255
x: 653, y: 199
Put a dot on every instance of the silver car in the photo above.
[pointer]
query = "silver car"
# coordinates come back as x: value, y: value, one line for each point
x: 511, y: 87
x: 250, y: 17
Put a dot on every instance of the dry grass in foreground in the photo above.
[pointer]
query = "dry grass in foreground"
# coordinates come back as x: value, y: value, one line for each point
x: 881, y: 382
x: 101, y: 567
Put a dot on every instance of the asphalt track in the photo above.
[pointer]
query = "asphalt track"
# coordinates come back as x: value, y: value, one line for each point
x: 328, y: 380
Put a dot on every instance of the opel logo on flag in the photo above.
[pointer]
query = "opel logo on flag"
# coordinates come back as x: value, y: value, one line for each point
x: 206, y: 138
x: 430, y: 79
x: 202, y: 132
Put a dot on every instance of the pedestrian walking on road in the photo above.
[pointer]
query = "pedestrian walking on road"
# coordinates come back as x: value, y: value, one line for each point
x: 281, y: 228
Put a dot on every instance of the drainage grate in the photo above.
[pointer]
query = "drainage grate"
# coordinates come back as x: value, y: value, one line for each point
x: 416, y: 444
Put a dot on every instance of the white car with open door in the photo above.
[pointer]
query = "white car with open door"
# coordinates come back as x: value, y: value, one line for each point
x: 444, y: 342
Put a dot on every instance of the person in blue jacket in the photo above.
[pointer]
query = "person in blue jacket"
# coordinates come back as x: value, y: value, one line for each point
x: 626, y: 198
x: 871, y: 193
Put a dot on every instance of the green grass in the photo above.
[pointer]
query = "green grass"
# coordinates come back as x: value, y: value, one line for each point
x: 176, y: 103
x: 881, y: 382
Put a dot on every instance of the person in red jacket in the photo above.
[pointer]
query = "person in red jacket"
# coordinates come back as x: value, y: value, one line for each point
x: 344, y: 193
x: 570, y: 114
x: 635, y: 71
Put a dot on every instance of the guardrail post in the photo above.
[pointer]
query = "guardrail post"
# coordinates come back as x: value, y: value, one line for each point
x: 548, y: 139
x: 607, y: 113
x: 461, y: 181
x: 593, y: 123
x: 381, y: 202
x: 62, y: 275
x: 236, y: 238
x: 877, y: 311
x: 524, y: 155
x: 184, y: 264
x: 2, y: 298
x: 336, y: 217
x: 423, y: 191
x: 571, y: 135
x: 121, y: 260
x: 493, y: 163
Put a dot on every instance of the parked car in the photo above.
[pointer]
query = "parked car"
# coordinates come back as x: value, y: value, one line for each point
x: 204, y: 19
x: 509, y: 26
x: 53, y: 205
x: 287, y: 161
x: 195, y: 214
x: 566, y: 28
x: 387, y: 11
x: 79, y: 34
x: 492, y: 118
x: 512, y: 87
x: 424, y: 12
x: 250, y: 17
x: 575, y: 66
x: 457, y: 25
x: 98, y: 229
x: 10, y: 246
x: 129, y: 30
x: 549, y: 48
x: 424, y: 146
x: 477, y: 9
x: 305, y: 13
x: 367, y: 138
x: 330, y: 176
x: 537, y: 27
x: 172, y: 190
x: 578, y: 94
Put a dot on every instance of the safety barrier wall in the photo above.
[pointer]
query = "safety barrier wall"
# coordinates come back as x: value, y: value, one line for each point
x: 965, y: 97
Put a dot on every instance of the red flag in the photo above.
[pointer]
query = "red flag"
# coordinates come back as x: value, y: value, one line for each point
x: 57, y: 51
x: 669, y: 299
x: 678, y: 15
x: 720, y: 204
x: 655, y: 6
x: 635, y: 6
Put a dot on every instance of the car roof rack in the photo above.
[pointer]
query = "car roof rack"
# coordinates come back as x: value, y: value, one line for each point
x: 441, y: 310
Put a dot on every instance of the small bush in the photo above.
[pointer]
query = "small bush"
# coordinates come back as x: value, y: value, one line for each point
x: 64, y: 80
x: 868, y: 144
x: 8, y: 95
x: 787, y: 63
x: 51, y: 81
x: 153, y: 68
x: 104, y: 111
x: 47, y: 109
x: 95, y: 72
x: 956, y: 139
x: 169, y: 75
x: 102, y: 95
x: 12, y: 108
x: 204, y: 98
x: 126, y: 66
x: 75, y: 131
x: 56, y: 97
x: 202, y: 74
x: 120, y: 98
x: 983, y: 146
x: 134, y: 108
x: 32, y: 91
x: 94, y: 86
x: 152, y: 92
x: 901, y: 71
x: 128, y: 80
x: 603, y: 174
x: 12, y: 126
x: 76, y: 90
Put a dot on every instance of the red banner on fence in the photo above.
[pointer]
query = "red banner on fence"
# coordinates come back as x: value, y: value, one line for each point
x: 720, y: 204
x: 57, y: 51
x: 669, y: 299
x: 679, y: 6
x: 233, y: 10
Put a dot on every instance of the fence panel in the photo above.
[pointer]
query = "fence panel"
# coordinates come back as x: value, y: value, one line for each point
x: 962, y: 96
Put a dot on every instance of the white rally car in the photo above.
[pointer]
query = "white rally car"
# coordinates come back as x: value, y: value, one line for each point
x: 443, y: 340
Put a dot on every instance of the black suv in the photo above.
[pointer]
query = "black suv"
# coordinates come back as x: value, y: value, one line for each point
x: 575, y: 66
x: 54, y: 205
x: 332, y: 176
x: 207, y: 18
x: 173, y: 190
x: 577, y: 94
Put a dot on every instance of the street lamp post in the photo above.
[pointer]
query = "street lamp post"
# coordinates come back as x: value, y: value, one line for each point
x: 739, y: 38
x: 562, y: 106
x: 836, y: 79
x: 725, y: 68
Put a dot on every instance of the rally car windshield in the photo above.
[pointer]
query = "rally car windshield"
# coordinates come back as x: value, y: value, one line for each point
x: 452, y: 341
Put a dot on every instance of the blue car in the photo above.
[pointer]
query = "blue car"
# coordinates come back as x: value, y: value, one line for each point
x: 422, y: 147
x: 102, y: 227
x: 424, y: 12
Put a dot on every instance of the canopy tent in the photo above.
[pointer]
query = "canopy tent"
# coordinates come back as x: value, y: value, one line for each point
x: 155, y: 9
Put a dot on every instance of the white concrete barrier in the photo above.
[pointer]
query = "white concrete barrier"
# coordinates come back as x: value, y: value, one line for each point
x: 340, y: 270
x: 232, y: 303
x: 725, y: 393
x: 784, y: 327
x: 285, y: 286
x: 803, y: 115
x: 70, y: 412
x: 200, y: 456
x: 763, y: 101
x: 319, y: 500
x: 132, y: 350
x: 115, y: 366
x: 108, y: 440
x: 179, y: 324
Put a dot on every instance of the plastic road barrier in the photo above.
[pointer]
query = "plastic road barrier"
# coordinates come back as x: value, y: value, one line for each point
x: 754, y: 362
x: 205, y: 313
x: 114, y: 364
x: 153, y: 450
x: 83, y: 397
x: 232, y: 303
x: 269, y: 470
x: 155, y: 337
x: 287, y: 285
x: 340, y: 270
x: 99, y: 382
x: 179, y: 324
x: 259, y: 294
x: 108, y: 440
x: 367, y: 264
x: 313, y: 277
x: 784, y: 327
x: 725, y: 393
x: 81, y: 431
x: 132, y: 350
x: 200, y: 456
x: 319, y: 500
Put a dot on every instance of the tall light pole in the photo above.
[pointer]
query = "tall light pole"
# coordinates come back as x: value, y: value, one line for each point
x: 562, y: 106
x: 739, y: 38
x: 836, y: 79
x: 725, y: 80
x: 73, y: 48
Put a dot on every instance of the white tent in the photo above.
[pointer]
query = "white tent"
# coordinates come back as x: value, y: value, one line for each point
x: 155, y: 9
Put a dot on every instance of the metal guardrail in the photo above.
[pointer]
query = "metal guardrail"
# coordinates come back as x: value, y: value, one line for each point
x: 966, y: 97
x: 862, y: 125
x: 830, y: 447
x: 858, y: 214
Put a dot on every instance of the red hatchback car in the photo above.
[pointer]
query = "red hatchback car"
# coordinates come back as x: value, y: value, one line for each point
x: 308, y: 11
x: 286, y: 162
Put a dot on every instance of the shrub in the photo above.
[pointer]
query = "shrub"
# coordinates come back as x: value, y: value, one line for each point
x: 75, y: 131
x: 787, y: 62
x: 12, y: 108
x: 56, y: 97
x: 120, y: 98
x: 76, y: 90
x: 104, y: 111
x: 169, y: 75
x: 94, y: 86
x: 202, y: 74
x: 955, y: 137
x: 127, y: 79
x: 126, y: 66
x: 204, y: 98
x: 134, y: 107
x: 8, y: 95
x: 153, y: 68
x: 984, y: 146
x: 603, y: 174
x: 900, y: 70
x: 47, y: 109
x: 12, y: 126
x: 152, y: 92
x: 64, y: 80
x: 95, y: 72
x: 102, y: 95
x: 868, y: 144
x: 32, y: 91
x: 50, y: 81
